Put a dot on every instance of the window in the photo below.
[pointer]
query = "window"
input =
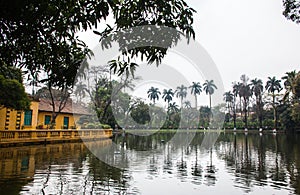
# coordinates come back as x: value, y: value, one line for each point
x: 28, y: 117
x: 66, y: 122
x: 47, y: 119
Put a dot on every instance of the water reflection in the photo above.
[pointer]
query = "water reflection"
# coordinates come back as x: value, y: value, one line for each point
x: 237, y: 163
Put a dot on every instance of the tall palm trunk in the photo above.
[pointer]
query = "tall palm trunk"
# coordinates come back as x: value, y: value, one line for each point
x: 210, y: 102
x: 181, y: 100
x: 196, y: 103
x: 274, y: 112
x: 234, y: 112
x: 241, y: 110
x: 245, y: 113
x: 259, y: 114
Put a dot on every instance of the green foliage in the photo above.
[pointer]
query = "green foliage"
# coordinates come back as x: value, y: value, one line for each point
x: 205, y: 115
x: 292, y: 10
x: 295, y: 113
x: 285, y: 119
x: 168, y: 95
x: 40, y: 35
x: 153, y: 94
x: 140, y: 113
x: 181, y: 92
x: 95, y: 125
x: 12, y: 94
x: 196, y: 89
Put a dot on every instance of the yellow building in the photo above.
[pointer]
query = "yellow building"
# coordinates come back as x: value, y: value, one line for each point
x: 39, y: 116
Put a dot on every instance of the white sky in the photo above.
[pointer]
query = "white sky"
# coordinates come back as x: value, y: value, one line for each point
x: 249, y: 37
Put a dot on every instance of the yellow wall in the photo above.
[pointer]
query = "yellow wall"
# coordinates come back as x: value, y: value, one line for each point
x: 35, y: 109
x: 59, y: 119
x: 12, y: 119
x: 38, y: 118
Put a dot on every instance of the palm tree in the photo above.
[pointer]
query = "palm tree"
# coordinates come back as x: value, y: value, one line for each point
x: 187, y: 104
x: 181, y: 92
x: 209, y: 88
x: 153, y: 94
x: 80, y: 91
x: 228, y: 98
x: 173, y: 108
x: 235, y: 91
x: 245, y: 92
x: 289, y: 84
x: 257, y: 89
x: 196, y: 89
x: 168, y: 95
x: 272, y: 86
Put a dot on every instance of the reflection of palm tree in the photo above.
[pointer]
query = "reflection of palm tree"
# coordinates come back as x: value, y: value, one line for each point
x: 181, y: 92
x: 196, y: 170
x: 209, y: 88
x: 168, y: 95
x: 153, y: 94
x: 211, y: 170
x: 196, y: 89
x: 272, y: 86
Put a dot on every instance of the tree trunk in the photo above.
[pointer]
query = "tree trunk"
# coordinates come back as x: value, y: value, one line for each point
x: 245, y: 112
x: 210, y: 102
x: 241, y: 109
x: 260, y: 117
x: 234, y: 112
x: 274, y: 112
x: 196, y: 102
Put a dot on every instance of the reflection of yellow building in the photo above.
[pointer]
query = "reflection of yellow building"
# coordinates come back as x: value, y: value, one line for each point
x: 39, y: 116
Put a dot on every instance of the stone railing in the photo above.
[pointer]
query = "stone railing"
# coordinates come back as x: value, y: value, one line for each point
x: 19, y: 136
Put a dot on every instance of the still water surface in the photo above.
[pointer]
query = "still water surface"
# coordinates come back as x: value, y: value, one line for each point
x: 236, y: 164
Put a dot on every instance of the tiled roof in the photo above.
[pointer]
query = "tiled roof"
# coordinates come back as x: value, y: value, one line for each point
x: 70, y: 107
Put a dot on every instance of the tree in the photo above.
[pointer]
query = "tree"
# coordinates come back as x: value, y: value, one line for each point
x: 204, y: 115
x: 47, y: 41
x: 58, y: 100
x: 228, y: 98
x: 153, y: 94
x: 140, y: 113
x: 245, y: 92
x: 289, y: 85
x: 272, y: 86
x: 12, y: 91
x: 235, y: 91
x: 295, y: 107
x: 196, y: 89
x: 181, y: 92
x: 292, y: 10
x: 257, y: 90
x: 168, y: 95
x: 80, y: 91
x: 209, y: 88
x: 173, y: 108
x: 12, y: 94
x: 187, y: 104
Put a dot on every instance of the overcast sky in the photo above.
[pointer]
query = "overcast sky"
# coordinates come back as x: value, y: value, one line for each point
x: 249, y: 37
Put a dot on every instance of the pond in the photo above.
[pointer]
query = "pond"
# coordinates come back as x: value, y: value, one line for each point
x: 237, y: 163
